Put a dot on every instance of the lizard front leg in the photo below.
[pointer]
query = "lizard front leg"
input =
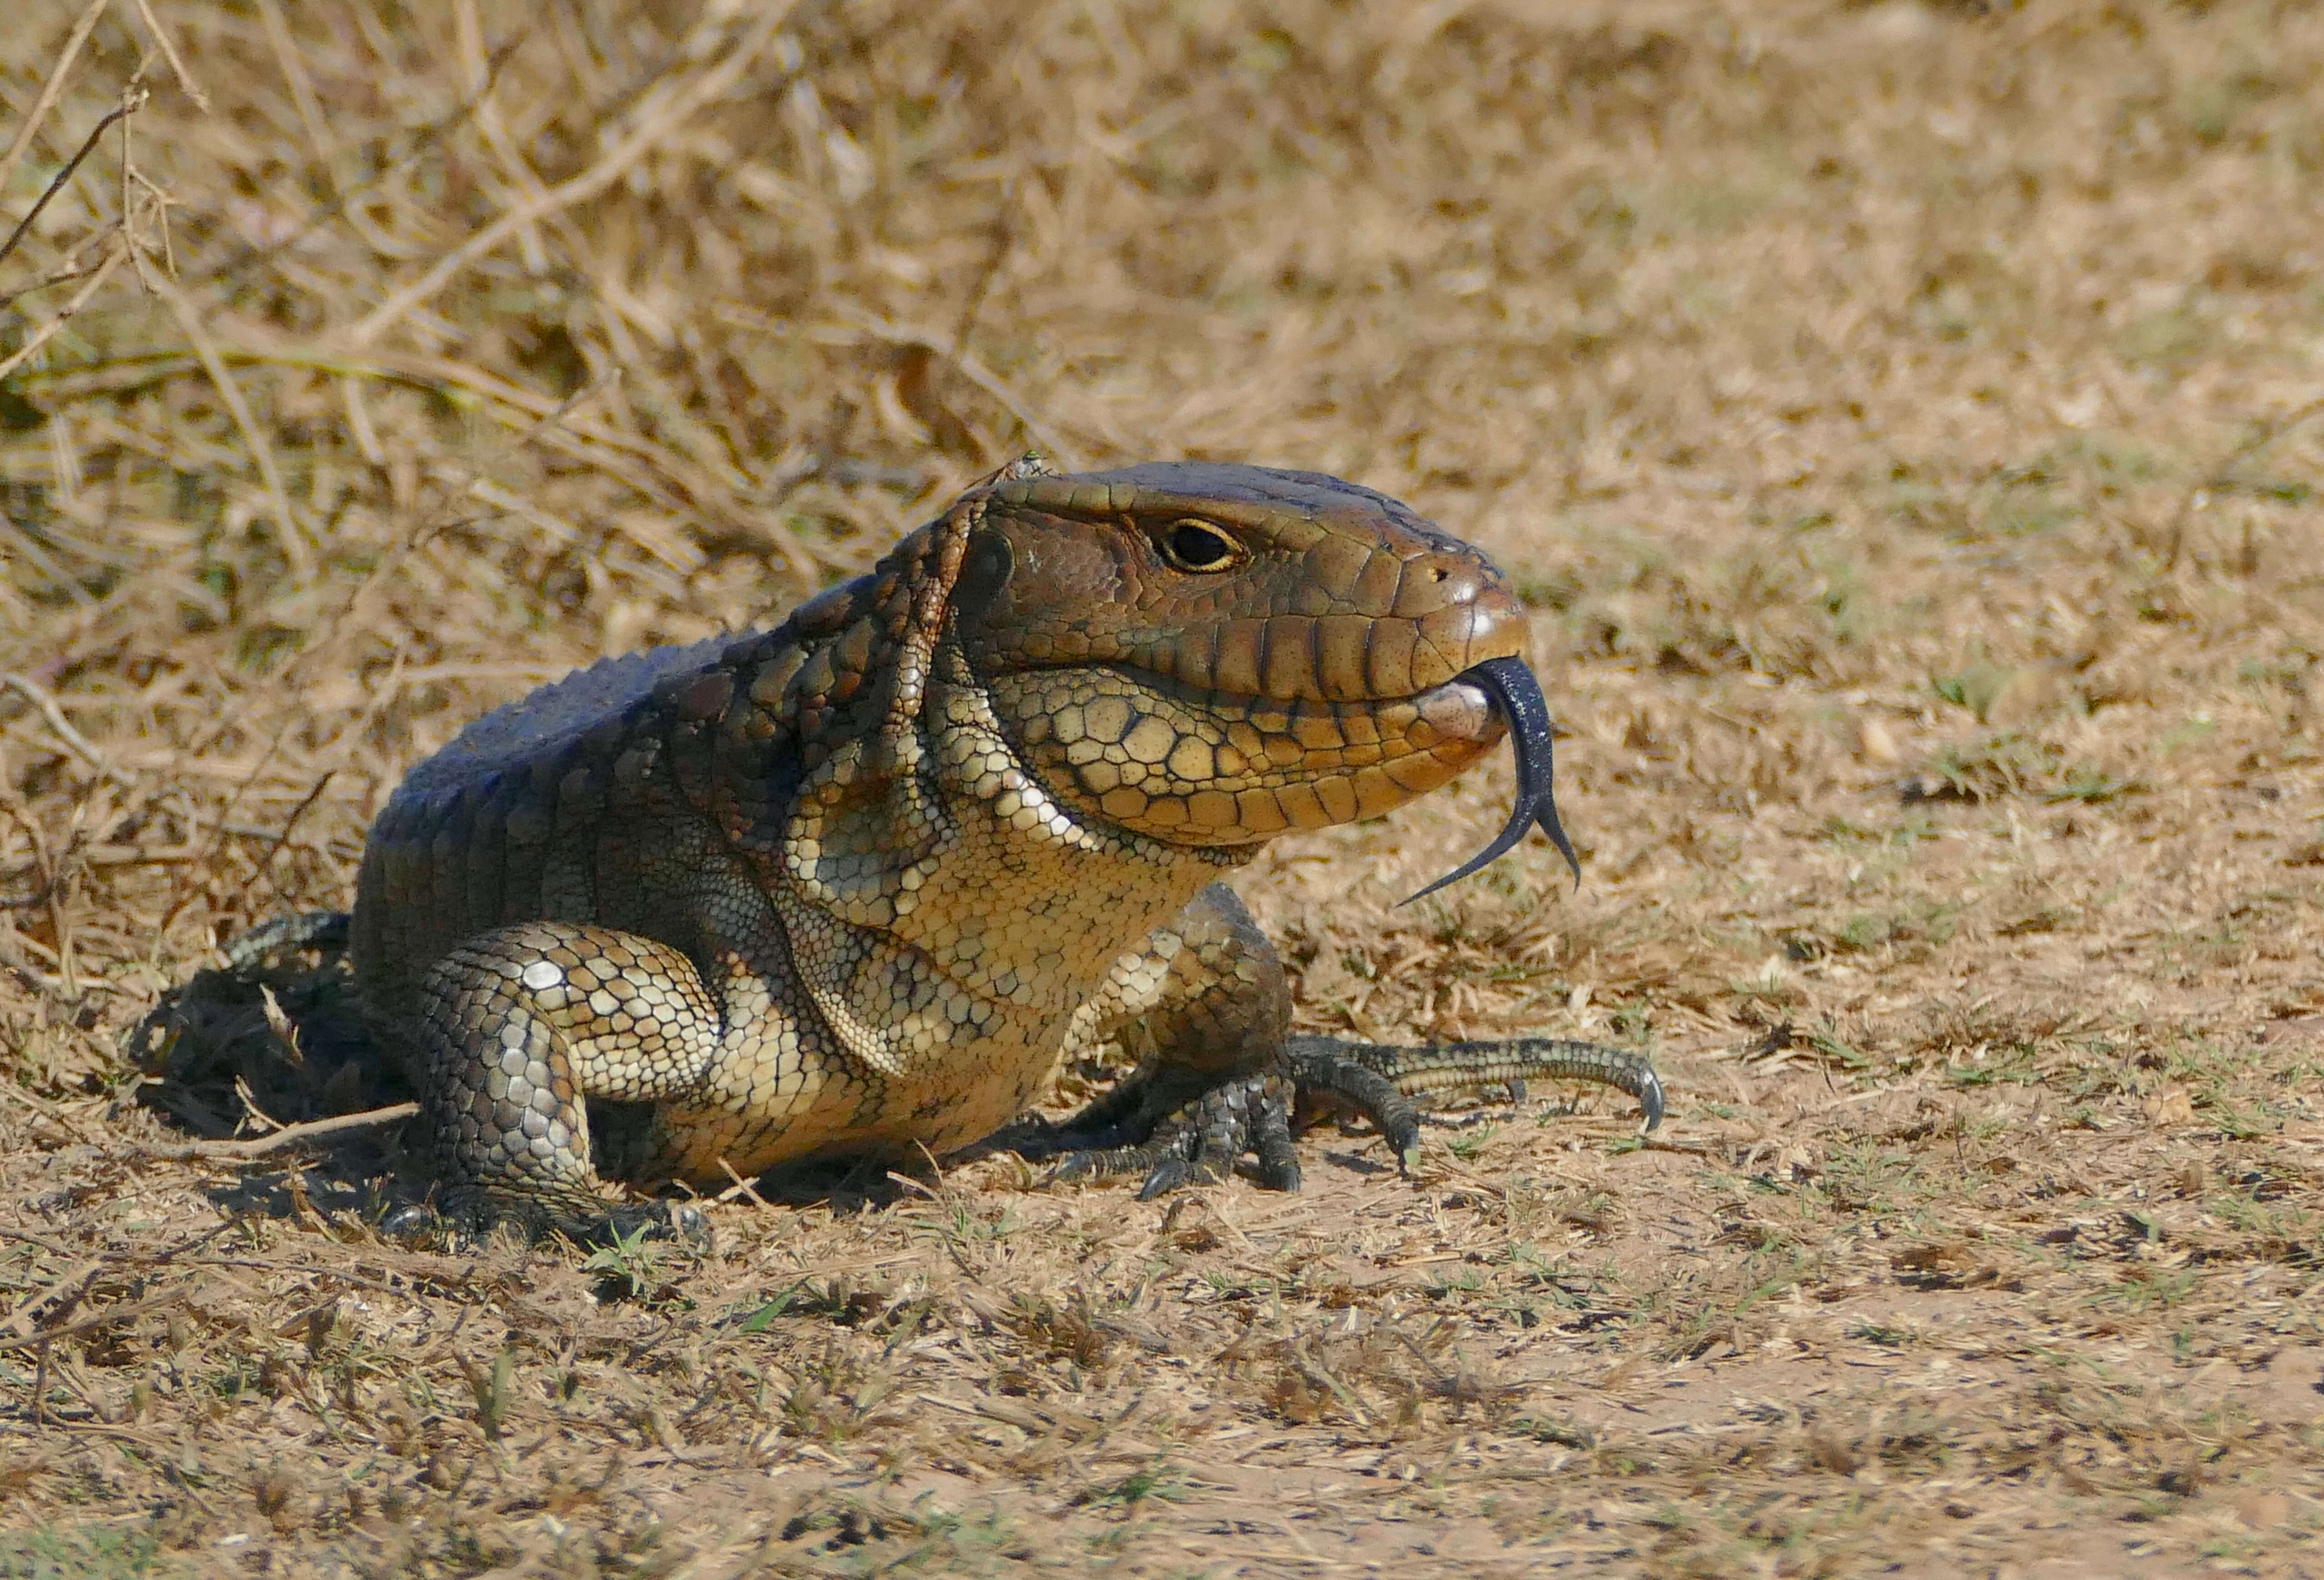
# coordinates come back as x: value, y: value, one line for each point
x: 516, y: 1027
x: 1206, y: 1006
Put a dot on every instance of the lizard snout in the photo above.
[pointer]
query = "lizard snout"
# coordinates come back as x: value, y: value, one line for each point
x: 1448, y: 611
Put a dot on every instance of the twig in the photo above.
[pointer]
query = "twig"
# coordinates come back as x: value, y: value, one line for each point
x: 302, y: 91
x: 283, y: 838
x: 280, y: 1024
x: 1004, y: 236
x: 681, y: 103
x: 180, y: 896
x: 170, y: 52
x: 460, y: 381
x: 130, y: 105
x: 64, y: 1292
x: 132, y: 94
x: 190, y: 318
x: 48, y: 332
x: 741, y: 1187
x: 153, y: 1258
x: 25, y: 1236
x: 468, y: 31
x: 289, y: 1135
x: 1663, y: 1143
x: 50, y: 89
x: 60, y: 893
x: 62, y: 728
x: 421, y: 140
x: 41, y: 561
x: 161, y: 204
x: 65, y: 273
x: 97, y: 1320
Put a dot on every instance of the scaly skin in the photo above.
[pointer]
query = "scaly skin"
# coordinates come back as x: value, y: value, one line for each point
x: 857, y: 885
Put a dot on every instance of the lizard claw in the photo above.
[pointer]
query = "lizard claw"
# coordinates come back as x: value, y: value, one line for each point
x: 1171, y: 1173
x: 414, y: 1223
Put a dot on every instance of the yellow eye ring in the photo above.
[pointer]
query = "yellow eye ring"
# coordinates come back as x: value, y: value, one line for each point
x: 1198, y: 546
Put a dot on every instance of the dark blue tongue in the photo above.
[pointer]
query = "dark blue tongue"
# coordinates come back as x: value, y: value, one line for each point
x: 1517, y: 695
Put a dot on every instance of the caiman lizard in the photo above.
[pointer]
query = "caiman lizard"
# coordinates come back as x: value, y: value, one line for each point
x: 858, y: 885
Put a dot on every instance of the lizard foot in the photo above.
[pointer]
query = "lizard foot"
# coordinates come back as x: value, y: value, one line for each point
x: 1200, y: 1143
x: 469, y: 1213
x: 1205, y: 1135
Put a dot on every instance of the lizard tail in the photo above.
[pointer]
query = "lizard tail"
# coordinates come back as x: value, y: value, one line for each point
x: 309, y: 930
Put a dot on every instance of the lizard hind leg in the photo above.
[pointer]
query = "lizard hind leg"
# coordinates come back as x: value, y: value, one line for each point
x: 516, y: 1029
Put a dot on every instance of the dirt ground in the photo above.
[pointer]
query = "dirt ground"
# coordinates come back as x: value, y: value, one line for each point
x: 1906, y: 422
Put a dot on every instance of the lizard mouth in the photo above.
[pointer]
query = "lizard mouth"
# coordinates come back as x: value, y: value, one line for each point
x: 1198, y: 766
x: 1505, y: 691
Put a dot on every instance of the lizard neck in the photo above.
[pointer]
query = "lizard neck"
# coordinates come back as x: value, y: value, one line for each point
x: 1076, y: 893
x: 913, y: 814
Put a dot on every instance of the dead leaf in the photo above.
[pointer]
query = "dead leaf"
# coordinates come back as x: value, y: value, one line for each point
x: 2171, y: 1105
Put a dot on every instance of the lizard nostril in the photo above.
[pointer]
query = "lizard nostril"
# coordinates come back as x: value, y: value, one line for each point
x: 1440, y: 573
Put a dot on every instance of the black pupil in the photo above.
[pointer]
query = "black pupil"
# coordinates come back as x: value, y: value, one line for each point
x: 1194, y: 545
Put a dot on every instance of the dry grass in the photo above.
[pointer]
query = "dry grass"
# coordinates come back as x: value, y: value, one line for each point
x: 1903, y: 419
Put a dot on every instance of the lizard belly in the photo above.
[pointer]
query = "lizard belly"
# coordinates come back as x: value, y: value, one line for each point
x: 829, y: 1106
x: 857, y: 1042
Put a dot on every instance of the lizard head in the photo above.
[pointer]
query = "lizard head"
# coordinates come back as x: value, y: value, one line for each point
x: 1213, y: 655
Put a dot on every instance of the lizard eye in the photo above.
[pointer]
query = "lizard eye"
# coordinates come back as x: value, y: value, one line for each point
x: 1192, y: 545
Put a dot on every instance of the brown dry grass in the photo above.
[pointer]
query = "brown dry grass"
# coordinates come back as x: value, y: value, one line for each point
x: 1905, y: 421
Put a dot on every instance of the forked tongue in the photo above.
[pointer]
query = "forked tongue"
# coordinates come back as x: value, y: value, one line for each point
x: 1518, y: 696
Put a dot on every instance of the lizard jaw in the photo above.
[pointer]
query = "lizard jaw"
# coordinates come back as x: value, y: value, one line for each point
x: 1083, y: 732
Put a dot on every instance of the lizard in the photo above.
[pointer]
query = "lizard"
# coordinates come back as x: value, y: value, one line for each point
x: 858, y: 884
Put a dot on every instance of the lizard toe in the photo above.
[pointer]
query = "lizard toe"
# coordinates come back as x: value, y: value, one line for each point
x: 600, y: 1225
x: 1173, y: 1172
x: 414, y: 1223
